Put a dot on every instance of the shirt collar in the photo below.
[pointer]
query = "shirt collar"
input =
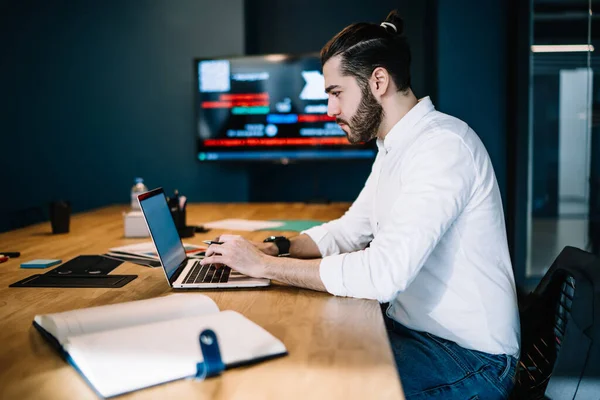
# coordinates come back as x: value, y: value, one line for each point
x: 401, y: 133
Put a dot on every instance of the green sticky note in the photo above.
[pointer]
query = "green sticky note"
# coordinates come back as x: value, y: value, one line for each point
x: 297, y: 225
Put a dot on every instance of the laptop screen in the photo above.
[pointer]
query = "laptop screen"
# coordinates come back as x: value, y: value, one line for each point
x: 163, y: 230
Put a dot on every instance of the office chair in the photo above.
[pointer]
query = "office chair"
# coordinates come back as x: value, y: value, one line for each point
x: 557, y: 332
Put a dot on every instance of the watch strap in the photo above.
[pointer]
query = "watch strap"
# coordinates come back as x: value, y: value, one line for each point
x: 282, y: 243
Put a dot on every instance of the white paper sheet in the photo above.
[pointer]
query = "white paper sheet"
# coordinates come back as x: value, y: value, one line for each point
x: 242, y: 224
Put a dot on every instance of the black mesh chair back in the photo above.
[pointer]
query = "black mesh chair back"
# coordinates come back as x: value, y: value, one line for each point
x: 560, y: 341
x: 543, y: 326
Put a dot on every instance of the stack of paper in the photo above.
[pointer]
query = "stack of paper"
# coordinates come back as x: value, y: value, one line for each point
x: 145, y: 253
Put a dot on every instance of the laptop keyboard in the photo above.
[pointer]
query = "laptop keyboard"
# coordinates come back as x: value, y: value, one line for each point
x: 207, y: 274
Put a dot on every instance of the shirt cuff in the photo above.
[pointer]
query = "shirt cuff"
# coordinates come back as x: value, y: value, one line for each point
x: 332, y: 275
x: 324, y: 240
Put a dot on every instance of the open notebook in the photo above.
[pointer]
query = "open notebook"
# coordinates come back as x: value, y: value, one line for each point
x: 128, y: 346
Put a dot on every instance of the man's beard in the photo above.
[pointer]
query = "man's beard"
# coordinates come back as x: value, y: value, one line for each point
x: 365, y: 123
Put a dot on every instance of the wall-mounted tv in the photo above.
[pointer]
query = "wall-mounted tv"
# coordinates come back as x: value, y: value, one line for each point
x: 267, y: 108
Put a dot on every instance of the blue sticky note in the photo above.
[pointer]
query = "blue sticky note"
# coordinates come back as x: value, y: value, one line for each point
x: 40, y: 263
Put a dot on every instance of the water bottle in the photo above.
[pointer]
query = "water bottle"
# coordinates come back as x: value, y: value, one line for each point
x: 136, y: 189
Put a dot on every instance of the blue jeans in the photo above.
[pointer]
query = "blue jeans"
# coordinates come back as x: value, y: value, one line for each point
x: 434, y: 368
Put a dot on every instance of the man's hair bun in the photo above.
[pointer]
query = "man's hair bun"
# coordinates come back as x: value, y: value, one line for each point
x: 394, y: 19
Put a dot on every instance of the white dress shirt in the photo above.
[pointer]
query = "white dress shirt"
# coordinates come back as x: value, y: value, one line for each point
x: 432, y: 213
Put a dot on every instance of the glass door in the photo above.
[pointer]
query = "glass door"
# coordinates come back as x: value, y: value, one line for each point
x: 562, y: 191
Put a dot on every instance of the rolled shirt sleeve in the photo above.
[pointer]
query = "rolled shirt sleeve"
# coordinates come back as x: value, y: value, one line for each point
x: 435, y: 185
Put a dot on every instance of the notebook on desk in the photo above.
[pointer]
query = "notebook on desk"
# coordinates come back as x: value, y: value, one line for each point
x: 181, y: 271
x: 122, y: 347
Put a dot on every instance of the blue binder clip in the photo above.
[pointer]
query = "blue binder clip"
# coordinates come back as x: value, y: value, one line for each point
x: 212, y: 364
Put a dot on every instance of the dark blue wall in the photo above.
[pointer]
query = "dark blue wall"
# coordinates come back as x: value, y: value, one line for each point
x: 95, y: 93
x: 472, y: 72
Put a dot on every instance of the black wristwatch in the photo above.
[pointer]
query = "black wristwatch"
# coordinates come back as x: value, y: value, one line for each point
x: 282, y: 243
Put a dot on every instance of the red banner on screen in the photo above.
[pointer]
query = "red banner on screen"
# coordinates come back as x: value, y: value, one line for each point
x: 328, y: 141
x: 231, y: 104
x: 315, y: 118
x: 244, y: 96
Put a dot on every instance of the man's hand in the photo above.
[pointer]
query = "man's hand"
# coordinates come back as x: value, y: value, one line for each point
x: 269, y: 249
x: 237, y: 253
x: 246, y: 257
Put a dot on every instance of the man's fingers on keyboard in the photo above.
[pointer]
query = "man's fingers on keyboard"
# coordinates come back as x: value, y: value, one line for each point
x: 215, y: 259
x: 212, y: 250
x: 216, y: 265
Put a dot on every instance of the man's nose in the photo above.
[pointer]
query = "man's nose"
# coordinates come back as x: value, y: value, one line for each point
x: 332, y: 109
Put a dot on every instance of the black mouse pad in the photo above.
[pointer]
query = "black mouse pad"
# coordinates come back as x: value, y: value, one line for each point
x: 91, y: 265
x: 71, y: 281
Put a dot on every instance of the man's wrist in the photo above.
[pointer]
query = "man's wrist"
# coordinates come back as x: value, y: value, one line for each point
x: 267, y: 264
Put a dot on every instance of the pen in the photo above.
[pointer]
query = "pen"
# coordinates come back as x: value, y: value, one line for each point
x: 3, y: 258
x: 209, y: 242
x: 11, y: 254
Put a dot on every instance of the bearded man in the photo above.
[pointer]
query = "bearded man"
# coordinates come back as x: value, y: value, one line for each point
x: 426, y: 234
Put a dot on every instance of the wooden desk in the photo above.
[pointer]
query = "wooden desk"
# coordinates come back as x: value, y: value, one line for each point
x: 338, y: 348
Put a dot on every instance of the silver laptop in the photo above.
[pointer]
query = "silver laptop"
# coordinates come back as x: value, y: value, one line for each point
x: 184, y: 272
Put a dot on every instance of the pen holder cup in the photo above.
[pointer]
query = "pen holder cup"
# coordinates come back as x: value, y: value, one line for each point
x: 60, y: 216
x: 179, y: 218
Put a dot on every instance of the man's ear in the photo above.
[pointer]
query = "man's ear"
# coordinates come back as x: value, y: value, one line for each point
x: 379, y: 82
